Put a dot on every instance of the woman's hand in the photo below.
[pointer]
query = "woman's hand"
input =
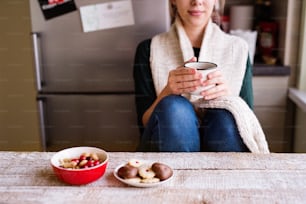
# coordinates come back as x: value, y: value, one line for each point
x: 221, y: 88
x: 182, y: 80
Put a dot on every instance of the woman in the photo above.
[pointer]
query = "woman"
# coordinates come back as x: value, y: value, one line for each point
x: 166, y: 111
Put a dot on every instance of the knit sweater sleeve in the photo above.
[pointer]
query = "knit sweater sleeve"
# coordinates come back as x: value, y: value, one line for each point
x: 143, y: 82
x: 246, y: 92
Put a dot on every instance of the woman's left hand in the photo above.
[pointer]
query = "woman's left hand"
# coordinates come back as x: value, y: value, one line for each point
x: 221, y: 88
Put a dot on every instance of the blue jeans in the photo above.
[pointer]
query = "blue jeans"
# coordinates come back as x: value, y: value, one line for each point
x: 175, y: 127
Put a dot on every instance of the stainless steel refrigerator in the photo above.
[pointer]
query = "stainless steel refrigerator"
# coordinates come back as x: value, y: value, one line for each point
x: 85, y: 88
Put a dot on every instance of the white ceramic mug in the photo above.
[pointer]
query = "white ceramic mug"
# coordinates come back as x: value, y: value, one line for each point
x: 204, y: 68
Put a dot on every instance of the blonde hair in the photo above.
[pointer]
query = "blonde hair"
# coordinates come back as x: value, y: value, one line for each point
x: 173, y: 10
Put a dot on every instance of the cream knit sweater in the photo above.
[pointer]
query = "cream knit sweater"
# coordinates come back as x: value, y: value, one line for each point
x: 171, y: 49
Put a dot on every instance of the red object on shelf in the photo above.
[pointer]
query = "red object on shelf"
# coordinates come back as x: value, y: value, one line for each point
x: 267, y: 38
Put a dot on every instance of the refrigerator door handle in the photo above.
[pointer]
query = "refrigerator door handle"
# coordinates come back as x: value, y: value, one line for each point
x: 39, y: 80
x: 41, y: 100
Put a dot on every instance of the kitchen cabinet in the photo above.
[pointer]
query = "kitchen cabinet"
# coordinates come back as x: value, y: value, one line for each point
x: 271, y: 83
x: 270, y: 93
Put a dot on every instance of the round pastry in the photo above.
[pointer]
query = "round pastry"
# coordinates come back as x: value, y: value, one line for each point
x: 127, y: 171
x: 134, y: 180
x: 150, y: 180
x: 135, y: 162
x: 162, y: 171
x: 146, y: 172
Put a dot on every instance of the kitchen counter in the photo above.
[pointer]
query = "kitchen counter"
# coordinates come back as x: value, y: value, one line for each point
x: 27, y: 177
x: 270, y: 70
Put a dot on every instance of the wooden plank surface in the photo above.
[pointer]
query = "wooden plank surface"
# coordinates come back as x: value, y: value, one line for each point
x: 149, y: 196
x: 198, y: 178
x: 15, y: 162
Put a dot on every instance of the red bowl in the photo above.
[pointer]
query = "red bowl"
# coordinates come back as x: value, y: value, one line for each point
x: 79, y: 176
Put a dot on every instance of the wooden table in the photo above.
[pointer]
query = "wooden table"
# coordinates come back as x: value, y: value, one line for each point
x: 27, y: 177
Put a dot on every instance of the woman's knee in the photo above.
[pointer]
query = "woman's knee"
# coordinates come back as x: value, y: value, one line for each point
x: 175, y: 106
x: 173, y: 126
x: 220, y: 132
x: 220, y: 118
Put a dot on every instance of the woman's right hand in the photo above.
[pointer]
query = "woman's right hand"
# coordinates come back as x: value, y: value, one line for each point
x: 182, y: 80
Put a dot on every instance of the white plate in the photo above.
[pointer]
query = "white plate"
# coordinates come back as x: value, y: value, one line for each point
x: 141, y: 185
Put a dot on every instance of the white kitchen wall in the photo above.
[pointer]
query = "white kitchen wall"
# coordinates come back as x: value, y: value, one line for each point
x: 300, y: 119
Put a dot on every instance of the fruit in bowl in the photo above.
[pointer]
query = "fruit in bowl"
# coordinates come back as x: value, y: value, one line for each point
x: 79, y: 165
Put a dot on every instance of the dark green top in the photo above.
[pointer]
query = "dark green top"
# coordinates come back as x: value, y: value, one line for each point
x: 144, y: 86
